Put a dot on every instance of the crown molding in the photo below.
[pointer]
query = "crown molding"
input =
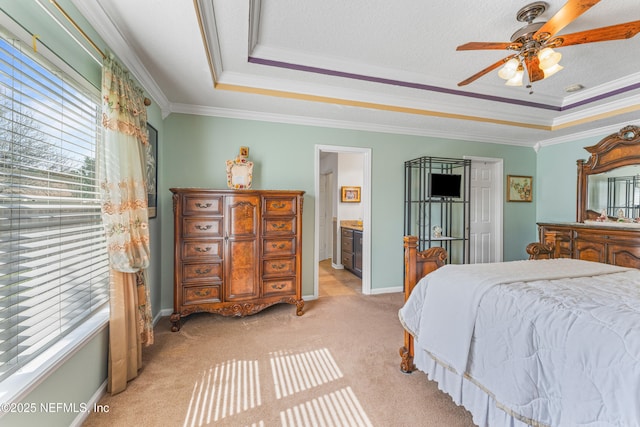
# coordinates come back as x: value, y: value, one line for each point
x: 209, y: 31
x: 598, y: 132
x: 100, y: 21
x: 338, y: 124
x: 355, y: 97
x: 254, y: 24
x: 605, y: 88
x: 585, y: 115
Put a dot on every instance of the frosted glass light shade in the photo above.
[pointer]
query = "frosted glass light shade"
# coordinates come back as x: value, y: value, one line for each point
x: 516, y: 80
x: 552, y: 70
x: 548, y: 58
x: 508, y: 71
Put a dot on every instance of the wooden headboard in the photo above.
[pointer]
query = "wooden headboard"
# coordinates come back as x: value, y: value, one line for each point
x: 416, y: 265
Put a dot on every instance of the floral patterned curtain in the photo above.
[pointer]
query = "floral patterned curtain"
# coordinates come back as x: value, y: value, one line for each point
x: 121, y: 169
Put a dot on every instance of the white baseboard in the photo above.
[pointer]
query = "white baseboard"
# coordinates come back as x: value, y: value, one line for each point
x: 91, y: 404
x: 387, y: 290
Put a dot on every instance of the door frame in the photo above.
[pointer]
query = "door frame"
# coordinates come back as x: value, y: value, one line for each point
x: 498, y: 200
x: 365, y: 199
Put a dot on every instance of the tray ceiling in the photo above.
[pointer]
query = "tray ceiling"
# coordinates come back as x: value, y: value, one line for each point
x: 372, y: 65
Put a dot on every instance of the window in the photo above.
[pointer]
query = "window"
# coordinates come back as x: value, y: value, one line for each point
x: 53, y: 263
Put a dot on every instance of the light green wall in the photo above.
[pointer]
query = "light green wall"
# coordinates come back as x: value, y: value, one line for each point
x: 72, y: 384
x: 195, y: 149
x: 557, y: 179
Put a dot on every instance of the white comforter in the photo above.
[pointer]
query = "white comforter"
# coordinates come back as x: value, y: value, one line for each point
x: 555, y: 342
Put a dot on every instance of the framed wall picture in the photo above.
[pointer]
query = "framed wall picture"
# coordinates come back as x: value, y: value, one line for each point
x: 519, y: 188
x: 152, y: 171
x: 350, y: 195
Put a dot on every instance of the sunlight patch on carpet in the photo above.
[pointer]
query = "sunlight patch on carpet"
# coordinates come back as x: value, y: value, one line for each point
x: 340, y: 408
x: 224, y: 390
x: 296, y: 372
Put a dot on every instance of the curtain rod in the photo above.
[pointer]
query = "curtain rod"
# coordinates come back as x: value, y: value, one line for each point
x: 147, y: 101
x: 77, y: 27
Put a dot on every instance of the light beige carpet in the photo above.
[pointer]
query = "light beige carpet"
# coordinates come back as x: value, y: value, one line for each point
x: 337, y: 365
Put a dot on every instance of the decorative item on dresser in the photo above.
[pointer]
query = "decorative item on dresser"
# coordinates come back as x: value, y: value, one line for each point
x: 236, y: 252
x: 607, y: 227
x: 240, y: 171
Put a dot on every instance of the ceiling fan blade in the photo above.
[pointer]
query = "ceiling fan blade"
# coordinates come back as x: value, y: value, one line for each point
x: 570, y: 11
x: 614, y: 32
x: 486, y: 46
x: 490, y: 68
x: 533, y: 68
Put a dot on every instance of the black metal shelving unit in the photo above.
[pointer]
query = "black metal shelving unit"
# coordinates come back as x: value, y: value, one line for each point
x: 422, y: 212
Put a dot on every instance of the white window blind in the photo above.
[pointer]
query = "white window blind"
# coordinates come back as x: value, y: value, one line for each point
x: 53, y: 261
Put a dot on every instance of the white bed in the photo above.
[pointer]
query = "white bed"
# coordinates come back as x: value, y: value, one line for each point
x: 541, y: 342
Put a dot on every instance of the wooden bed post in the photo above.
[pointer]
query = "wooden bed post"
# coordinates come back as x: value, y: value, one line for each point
x: 416, y: 265
x: 547, y: 250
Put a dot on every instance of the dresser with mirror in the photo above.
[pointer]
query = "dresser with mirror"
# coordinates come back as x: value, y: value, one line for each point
x: 607, y: 227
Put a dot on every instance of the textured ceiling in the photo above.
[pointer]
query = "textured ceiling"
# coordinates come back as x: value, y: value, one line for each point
x: 371, y: 64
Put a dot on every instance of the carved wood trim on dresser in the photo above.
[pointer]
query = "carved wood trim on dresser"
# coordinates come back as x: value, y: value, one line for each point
x: 606, y: 244
x: 236, y: 252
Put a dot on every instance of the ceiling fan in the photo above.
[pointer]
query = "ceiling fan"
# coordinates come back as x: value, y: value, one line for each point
x: 533, y: 44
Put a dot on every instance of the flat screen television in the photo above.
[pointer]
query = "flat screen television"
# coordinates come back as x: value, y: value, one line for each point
x: 444, y: 185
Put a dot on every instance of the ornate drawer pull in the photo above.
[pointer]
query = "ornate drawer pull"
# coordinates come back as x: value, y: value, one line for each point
x: 279, y: 226
x: 278, y: 266
x: 203, y: 205
x: 203, y: 227
x: 278, y: 205
x: 202, y: 292
x: 280, y: 246
x: 199, y: 249
x: 205, y: 271
x: 278, y: 286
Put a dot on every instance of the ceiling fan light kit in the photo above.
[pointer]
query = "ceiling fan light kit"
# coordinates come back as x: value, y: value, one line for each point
x: 514, y: 69
x: 517, y: 78
x: 533, y: 44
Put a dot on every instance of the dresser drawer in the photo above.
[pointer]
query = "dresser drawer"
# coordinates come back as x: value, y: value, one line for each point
x: 279, y: 206
x: 202, y: 227
x: 202, y: 205
x: 273, y: 287
x: 200, y: 294
x: 194, y: 249
x: 279, y: 267
x: 279, y: 247
x: 209, y: 272
x: 274, y: 226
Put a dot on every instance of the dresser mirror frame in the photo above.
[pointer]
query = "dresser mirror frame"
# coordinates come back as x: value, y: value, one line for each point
x: 614, y: 151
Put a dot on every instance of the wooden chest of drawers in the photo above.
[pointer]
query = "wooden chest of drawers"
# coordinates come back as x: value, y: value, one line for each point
x: 236, y: 252
x: 592, y: 242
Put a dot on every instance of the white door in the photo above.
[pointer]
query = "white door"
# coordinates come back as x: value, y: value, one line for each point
x: 486, y: 211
